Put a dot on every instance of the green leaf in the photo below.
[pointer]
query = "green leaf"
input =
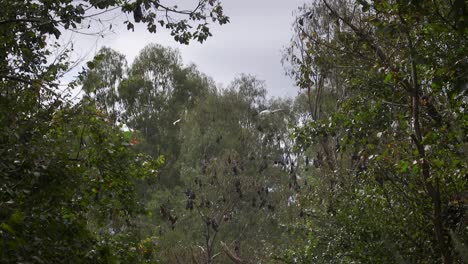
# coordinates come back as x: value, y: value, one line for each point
x: 7, y: 228
x: 17, y: 217
x: 90, y: 65
x: 389, y: 78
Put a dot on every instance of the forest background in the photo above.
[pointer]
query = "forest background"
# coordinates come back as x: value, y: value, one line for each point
x: 155, y: 163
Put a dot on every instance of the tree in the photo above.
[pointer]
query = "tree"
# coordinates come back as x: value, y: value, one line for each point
x: 145, y: 93
x: 235, y: 191
x: 63, y: 172
x: 102, y: 82
x: 394, y: 129
x: 156, y: 96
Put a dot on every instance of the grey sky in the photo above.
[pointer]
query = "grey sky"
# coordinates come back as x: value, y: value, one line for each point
x: 251, y: 43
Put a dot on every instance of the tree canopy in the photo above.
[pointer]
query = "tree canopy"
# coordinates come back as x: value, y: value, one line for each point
x: 156, y: 163
x: 69, y: 174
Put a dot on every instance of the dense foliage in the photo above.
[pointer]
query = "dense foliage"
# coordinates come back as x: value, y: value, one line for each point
x: 219, y: 189
x: 155, y: 163
x: 387, y: 86
x: 68, y: 174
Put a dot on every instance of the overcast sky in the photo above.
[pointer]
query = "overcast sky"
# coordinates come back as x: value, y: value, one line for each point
x: 251, y: 43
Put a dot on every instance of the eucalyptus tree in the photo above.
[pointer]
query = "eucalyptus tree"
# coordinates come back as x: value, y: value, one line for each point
x: 146, y: 91
x: 233, y: 203
x: 157, y: 94
x: 399, y: 159
x: 109, y: 68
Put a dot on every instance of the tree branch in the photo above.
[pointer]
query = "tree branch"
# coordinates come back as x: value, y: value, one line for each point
x: 23, y: 20
x: 16, y: 78
x: 231, y: 255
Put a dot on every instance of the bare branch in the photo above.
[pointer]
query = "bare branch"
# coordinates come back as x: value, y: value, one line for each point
x: 231, y: 255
